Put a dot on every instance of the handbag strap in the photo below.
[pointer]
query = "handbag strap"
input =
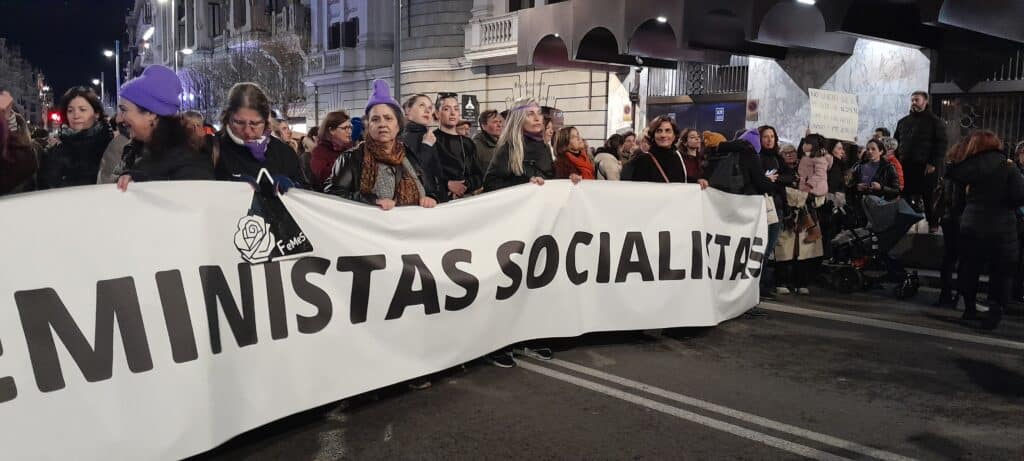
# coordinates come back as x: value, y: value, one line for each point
x: 658, y: 164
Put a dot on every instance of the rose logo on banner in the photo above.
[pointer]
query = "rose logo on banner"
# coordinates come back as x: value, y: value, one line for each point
x: 254, y: 239
x: 268, y: 232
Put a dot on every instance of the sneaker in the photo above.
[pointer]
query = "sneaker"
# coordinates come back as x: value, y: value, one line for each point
x: 782, y: 291
x: 803, y: 291
x: 502, y: 359
x: 539, y: 353
x: 419, y: 384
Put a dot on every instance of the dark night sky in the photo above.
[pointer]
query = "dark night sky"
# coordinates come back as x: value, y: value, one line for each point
x: 66, y: 38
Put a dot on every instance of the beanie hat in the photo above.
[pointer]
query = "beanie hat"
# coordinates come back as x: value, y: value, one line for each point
x: 712, y: 139
x: 357, y: 129
x: 753, y: 138
x: 156, y: 90
x: 382, y: 95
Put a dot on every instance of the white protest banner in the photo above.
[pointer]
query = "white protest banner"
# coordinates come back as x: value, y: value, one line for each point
x: 834, y: 115
x: 133, y: 327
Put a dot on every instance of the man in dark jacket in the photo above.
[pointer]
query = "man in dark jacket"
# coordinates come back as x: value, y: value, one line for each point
x: 460, y: 167
x: 922, y: 146
x: 491, y: 123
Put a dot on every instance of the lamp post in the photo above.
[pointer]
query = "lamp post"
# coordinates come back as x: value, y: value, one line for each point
x: 100, y: 82
x: 116, y: 54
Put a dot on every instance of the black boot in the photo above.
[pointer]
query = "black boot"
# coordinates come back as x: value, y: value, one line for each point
x: 995, y: 314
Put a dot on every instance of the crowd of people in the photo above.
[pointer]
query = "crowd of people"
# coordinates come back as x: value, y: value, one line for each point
x: 389, y: 157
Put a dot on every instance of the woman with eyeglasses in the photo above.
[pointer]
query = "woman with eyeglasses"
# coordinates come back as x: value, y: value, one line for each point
x: 75, y: 158
x: 336, y: 138
x: 246, y: 145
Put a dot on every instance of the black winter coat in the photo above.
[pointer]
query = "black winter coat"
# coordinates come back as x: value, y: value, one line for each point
x: 994, y: 189
x: 644, y: 168
x: 348, y: 169
x: 750, y: 163
x: 922, y: 138
x: 536, y: 163
x: 426, y: 157
x: 770, y: 160
x: 76, y: 160
x: 180, y: 163
x: 236, y: 160
x: 885, y: 176
x: 457, y: 155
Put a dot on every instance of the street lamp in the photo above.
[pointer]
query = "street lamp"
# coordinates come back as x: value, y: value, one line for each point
x: 187, y: 51
x: 100, y: 83
x: 96, y: 81
x: 116, y: 54
x: 149, y: 33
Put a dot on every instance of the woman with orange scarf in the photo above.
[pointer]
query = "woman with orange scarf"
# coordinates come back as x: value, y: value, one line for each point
x: 571, y: 159
x: 380, y: 171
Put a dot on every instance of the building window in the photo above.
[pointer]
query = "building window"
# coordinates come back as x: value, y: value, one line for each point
x: 215, y: 19
x: 350, y: 33
x: 516, y: 5
x: 334, y: 36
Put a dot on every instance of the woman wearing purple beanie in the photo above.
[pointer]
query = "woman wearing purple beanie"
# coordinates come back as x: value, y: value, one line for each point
x: 160, y: 149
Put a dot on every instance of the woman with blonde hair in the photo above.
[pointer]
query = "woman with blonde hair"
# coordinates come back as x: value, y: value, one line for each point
x: 521, y: 155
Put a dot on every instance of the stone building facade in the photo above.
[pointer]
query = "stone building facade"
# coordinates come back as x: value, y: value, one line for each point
x: 462, y: 46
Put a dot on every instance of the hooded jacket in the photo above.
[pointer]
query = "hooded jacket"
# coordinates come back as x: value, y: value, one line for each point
x: 76, y: 160
x: 994, y: 189
x: 485, y: 145
x: 922, y: 138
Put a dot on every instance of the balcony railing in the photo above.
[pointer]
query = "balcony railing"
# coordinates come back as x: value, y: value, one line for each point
x: 493, y: 36
x: 323, y: 63
x: 693, y: 79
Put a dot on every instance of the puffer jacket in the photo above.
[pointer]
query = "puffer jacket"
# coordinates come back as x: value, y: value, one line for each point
x: 814, y: 174
x: 76, y: 160
x: 922, y: 138
x: 994, y: 189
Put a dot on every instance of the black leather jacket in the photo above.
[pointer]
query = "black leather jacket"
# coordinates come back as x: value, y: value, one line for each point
x: 885, y: 176
x: 348, y: 168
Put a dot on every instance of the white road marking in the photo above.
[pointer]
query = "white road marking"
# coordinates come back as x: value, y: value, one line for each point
x: 988, y: 341
x: 782, y: 444
x: 737, y: 414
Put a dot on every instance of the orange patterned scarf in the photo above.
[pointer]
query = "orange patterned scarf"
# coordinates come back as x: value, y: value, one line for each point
x: 406, y: 192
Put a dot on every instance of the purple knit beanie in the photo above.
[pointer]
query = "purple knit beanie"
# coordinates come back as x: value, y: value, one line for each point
x: 156, y: 90
x: 753, y: 138
x: 382, y: 95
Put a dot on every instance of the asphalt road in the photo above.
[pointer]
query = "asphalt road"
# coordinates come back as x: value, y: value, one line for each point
x: 822, y: 377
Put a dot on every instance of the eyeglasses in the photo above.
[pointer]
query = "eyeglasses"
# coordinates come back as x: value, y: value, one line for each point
x: 446, y: 95
x: 346, y: 127
x: 243, y: 123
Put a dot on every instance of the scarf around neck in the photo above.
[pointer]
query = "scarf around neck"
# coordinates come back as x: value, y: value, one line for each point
x: 582, y: 163
x: 257, y: 148
x: 406, y: 192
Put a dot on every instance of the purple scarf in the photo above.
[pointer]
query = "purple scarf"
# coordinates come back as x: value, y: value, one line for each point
x: 258, y: 148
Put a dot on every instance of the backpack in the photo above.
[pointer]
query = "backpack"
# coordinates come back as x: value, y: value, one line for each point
x: 725, y: 172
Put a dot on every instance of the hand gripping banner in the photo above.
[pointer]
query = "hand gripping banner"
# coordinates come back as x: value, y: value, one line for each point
x: 160, y: 322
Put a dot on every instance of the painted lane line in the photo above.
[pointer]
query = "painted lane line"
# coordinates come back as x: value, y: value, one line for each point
x: 782, y: 444
x: 737, y: 414
x: 865, y: 321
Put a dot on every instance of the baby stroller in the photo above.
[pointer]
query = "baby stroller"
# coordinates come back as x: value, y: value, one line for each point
x: 861, y: 252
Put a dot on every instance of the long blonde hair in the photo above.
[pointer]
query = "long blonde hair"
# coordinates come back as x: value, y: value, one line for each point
x: 512, y: 134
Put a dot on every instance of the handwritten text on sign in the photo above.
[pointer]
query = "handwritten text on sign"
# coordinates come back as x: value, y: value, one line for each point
x: 834, y: 115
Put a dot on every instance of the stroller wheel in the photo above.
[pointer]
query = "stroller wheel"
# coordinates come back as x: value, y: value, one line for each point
x: 847, y: 280
x: 907, y: 288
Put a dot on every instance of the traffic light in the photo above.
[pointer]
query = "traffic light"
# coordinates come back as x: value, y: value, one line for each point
x: 55, y: 117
